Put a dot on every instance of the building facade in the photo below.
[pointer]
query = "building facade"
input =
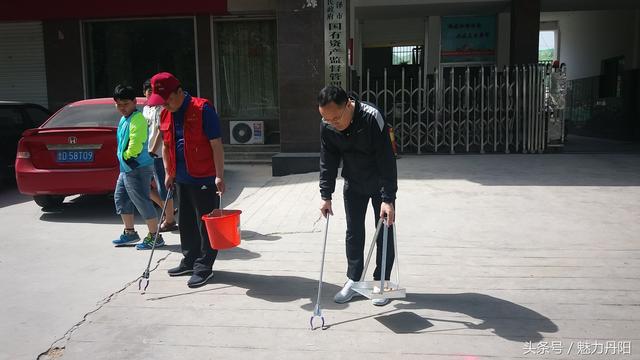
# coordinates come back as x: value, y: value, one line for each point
x: 265, y: 60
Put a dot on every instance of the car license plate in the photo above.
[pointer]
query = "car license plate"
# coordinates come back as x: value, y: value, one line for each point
x: 66, y: 156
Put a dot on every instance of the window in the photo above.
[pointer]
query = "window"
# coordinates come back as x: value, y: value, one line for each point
x: 102, y: 115
x: 406, y: 55
x: 37, y: 115
x: 247, y: 69
x: 10, y: 119
x: 131, y: 51
x: 547, y: 46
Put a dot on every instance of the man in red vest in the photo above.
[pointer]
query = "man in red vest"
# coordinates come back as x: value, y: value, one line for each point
x: 194, y: 161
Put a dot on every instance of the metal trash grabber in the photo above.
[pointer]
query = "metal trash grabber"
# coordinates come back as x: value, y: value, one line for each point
x: 382, y: 289
x: 143, y: 283
x: 317, y: 312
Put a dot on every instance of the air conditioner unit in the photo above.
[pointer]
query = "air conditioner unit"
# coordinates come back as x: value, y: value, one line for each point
x: 247, y: 132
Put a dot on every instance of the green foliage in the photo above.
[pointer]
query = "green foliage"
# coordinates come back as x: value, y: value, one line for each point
x: 545, y: 55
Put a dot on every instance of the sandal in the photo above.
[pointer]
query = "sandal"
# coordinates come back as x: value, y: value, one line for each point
x: 168, y: 227
x: 175, y: 211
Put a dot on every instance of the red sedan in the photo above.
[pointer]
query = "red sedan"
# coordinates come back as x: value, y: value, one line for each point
x: 73, y: 152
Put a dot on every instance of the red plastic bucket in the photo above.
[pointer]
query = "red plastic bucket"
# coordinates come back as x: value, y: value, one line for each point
x: 223, y: 227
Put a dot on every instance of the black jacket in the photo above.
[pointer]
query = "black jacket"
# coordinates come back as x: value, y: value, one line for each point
x: 369, y: 165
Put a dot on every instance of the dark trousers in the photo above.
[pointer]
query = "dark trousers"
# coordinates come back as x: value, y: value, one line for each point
x: 196, y: 201
x: 355, y: 206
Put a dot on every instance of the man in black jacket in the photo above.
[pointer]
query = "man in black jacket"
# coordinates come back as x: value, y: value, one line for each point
x: 356, y: 133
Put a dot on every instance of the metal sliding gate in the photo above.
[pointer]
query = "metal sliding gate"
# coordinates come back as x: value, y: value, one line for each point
x: 471, y: 109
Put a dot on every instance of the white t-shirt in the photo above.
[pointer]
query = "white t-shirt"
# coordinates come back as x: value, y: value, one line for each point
x: 152, y: 114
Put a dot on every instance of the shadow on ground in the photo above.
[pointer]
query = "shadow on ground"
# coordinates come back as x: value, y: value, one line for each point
x: 236, y: 253
x: 525, y: 170
x: 583, y: 144
x: 92, y: 209
x: 506, y: 319
x: 9, y: 195
x: 252, y: 235
x: 280, y: 289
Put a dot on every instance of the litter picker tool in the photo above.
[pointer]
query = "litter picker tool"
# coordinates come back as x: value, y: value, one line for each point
x: 143, y: 283
x: 383, y: 289
x: 317, y: 312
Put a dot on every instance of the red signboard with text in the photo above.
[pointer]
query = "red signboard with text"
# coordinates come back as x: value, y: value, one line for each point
x: 77, y: 9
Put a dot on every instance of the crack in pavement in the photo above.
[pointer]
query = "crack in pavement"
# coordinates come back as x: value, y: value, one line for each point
x: 55, y: 350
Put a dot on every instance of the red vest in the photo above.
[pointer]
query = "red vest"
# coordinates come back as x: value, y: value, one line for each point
x: 198, y: 154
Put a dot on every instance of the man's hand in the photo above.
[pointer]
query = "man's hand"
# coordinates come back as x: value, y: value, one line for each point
x: 388, y: 210
x: 220, y: 185
x: 168, y: 181
x: 325, y: 208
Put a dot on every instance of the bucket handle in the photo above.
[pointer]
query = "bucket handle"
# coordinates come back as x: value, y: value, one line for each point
x: 219, y: 204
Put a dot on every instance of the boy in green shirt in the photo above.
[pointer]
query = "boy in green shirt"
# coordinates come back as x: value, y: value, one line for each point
x: 136, y: 171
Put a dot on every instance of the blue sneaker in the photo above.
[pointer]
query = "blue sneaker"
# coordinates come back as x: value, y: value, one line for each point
x: 147, y: 242
x: 127, y: 238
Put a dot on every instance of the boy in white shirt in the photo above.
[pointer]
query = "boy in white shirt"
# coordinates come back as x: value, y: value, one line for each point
x: 152, y: 114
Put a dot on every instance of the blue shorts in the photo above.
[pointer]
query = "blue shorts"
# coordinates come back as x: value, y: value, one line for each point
x: 132, y: 190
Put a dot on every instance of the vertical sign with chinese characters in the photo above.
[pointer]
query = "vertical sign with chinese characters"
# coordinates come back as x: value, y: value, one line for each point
x: 335, y: 42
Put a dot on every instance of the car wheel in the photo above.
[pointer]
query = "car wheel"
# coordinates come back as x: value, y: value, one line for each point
x: 48, y: 201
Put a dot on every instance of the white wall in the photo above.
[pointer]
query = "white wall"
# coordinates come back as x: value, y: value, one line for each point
x: 588, y: 37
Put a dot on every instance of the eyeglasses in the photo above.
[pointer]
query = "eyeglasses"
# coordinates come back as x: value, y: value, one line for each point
x: 336, y: 119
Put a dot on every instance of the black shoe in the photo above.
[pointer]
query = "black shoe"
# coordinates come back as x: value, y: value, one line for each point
x: 198, y: 280
x: 180, y: 270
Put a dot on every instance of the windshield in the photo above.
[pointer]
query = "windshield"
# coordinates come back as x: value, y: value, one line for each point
x: 98, y: 115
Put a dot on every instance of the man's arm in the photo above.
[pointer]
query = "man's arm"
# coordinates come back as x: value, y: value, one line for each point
x: 218, y: 158
x: 168, y: 179
x: 386, y: 163
x: 137, y: 136
x: 211, y: 127
x: 329, y: 162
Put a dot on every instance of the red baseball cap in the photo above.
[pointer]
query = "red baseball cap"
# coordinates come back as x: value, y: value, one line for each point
x: 162, y: 85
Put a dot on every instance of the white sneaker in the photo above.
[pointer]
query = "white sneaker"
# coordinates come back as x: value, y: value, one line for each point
x: 380, y: 302
x: 346, y: 294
